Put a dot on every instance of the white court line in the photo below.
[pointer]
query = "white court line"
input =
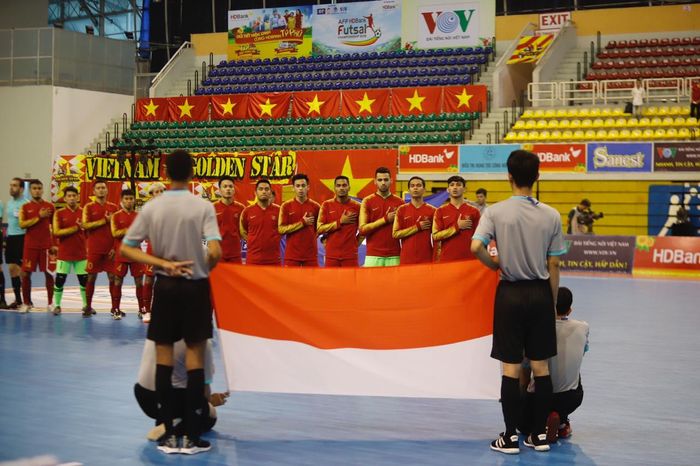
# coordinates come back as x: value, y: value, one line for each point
x: 72, y: 302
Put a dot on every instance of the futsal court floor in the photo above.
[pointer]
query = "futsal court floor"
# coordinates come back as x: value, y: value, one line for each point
x: 66, y: 390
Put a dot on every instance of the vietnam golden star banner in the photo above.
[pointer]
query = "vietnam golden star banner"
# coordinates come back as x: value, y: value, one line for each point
x: 190, y: 108
x: 530, y: 49
x: 229, y: 107
x: 311, y: 104
x: 462, y: 99
x: 272, y: 105
x: 68, y: 170
x: 366, y: 102
x: 151, y: 109
x: 416, y: 100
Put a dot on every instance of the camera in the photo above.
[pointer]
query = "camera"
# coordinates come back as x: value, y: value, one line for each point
x: 587, y: 217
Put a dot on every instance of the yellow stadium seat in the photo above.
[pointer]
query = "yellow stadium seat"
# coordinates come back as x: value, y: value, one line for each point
x: 587, y: 123
x: 606, y: 112
x: 672, y: 133
x: 583, y: 112
x: 684, y: 133
x: 590, y: 135
x: 522, y: 135
x: 544, y: 136
x: 579, y: 135
x: 564, y: 123
x: 609, y: 123
x: 613, y: 135
x: 520, y: 124
x: 555, y: 135
x: 625, y: 135
x: 511, y: 136
x: 571, y: 112
x: 621, y: 123
x: 650, y: 111
x: 598, y: 123
x: 636, y: 134
x: 541, y: 124
x: 601, y: 135
x: 632, y: 122
x: 550, y: 113
x: 656, y: 121
x: 530, y: 124
x: 648, y: 134
x: 553, y: 123
x: 663, y: 110
x: 691, y: 121
x: 561, y: 113
x: 594, y: 112
x: 539, y: 113
x: 667, y: 121
x: 644, y: 122
x: 532, y: 136
x: 528, y: 114
x: 685, y: 111
x: 618, y: 111
x: 679, y: 121
x: 567, y: 135
x: 575, y: 123
x: 660, y: 133
x: 674, y: 110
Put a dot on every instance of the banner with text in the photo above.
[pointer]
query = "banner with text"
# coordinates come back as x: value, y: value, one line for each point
x: 561, y: 158
x: 485, y: 158
x: 676, y: 156
x: 530, y: 49
x: 619, y: 157
x: 606, y: 254
x: 671, y: 256
x: 429, y: 159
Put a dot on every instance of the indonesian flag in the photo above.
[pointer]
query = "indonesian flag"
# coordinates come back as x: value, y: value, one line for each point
x: 152, y: 109
x: 416, y: 100
x: 460, y: 99
x: 268, y: 105
x: 190, y: 108
x: 316, y: 104
x: 414, y: 331
x: 366, y: 102
x: 229, y: 107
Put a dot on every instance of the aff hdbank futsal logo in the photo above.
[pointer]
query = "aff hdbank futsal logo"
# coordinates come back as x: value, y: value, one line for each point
x: 448, y: 25
x: 428, y: 159
x: 560, y: 157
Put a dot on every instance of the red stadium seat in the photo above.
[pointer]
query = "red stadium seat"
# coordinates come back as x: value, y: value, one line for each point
x: 612, y: 44
x: 676, y: 41
x: 665, y: 42
x: 643, y: 42
x: 653, y: 42
x: 686, y: 41
x: 622, y: 44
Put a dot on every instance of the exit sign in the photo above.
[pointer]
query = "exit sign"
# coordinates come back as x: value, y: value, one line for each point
x: 554, y: 21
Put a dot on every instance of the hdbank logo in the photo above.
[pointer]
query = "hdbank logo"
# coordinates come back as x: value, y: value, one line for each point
x: 447, y: 22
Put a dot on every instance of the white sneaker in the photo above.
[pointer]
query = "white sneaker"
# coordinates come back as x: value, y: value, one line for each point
x: 146, y: 317
x: 24, y: 308
x: 50, y: 308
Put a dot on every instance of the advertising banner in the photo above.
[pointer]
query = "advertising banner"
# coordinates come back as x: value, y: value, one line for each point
x: 270, y: 33
x: 357, y: 27
x: 429, y: 159
x: 606, y: 254
x: 676, y: 156
x: 485, y: 158
x: 619, y: 157
x: 675, y: 256
x: 665, y: 200
x: 530, y: 49
x: 430, y: 24
x: 569, y: 158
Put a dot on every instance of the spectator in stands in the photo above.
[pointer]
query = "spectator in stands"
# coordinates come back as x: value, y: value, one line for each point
x: 683, y: 225
x: 695, y: 100
x: 637, y: 98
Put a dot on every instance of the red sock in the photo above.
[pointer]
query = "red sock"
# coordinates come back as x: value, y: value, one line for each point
x: 115, y: 291
x: 49, y: 287
x: 27, y: 289
x: 89, y: 291
x: 139, y: 296
x: 147, y: 296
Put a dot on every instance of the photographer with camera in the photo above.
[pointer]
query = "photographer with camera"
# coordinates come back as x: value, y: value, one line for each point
x: 581, y: 219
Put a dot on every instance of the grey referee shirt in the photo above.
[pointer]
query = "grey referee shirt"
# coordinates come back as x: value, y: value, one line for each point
x: 176, y: 224
x: 526, y: 232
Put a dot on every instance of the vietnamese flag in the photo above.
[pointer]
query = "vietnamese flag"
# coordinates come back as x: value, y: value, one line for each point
x: 190, y: 108
x: 274, y: 105
x: 299, y: 337
x: 366, y: 102
x: 461, y: 99
x: 229, y: 107
x: 316, y: 104
x: 416, y: 100
x: 151, y: 109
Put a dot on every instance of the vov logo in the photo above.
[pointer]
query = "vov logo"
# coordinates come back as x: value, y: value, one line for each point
x: 447, y: 21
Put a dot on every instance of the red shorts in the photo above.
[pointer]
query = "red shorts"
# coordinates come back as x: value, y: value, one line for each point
x: 97, y: 263
x: 231, y: 260
x: 31, y: 258
x: 148, y: 270
x: 137, y: 269
x: 341, y: 262
x: 295, y: 263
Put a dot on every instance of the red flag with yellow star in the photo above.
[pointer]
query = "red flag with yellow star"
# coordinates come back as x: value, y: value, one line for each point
x: 416, y: 100
x: 358, y: 165
x: 268, y: 105
x: 151, y: 110
x: 316, y: 104
x: 229, y: 107
x: 366, y: 102
x: 461, y: 99
x: 190, y: 108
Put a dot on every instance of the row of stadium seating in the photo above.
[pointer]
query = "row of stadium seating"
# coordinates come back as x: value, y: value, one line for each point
x: 659, y: 134
x: 359, y: 56
x: 643, y: 73
x: 655, y: 42
x: 644, y: 63
x: 622, y: 122
x: 659, y: 52
x: 595, y: 112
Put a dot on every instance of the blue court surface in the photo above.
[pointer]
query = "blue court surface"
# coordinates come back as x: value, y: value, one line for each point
x: 67, y: 391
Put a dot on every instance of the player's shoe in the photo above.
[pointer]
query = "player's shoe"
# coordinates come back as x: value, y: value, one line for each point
x: 14, y: 306
x: 56, y: 310
x: 121, y: 313
x: 116, y: 314
x: 507, y: 445
x: 538, y: 442
x: 3, y: 304
x: 169, y: 444
x: 49, y: 308
x: 146, y: 317
x: 87, y: 312
x: 565, y: 430
x: 25, y: 308
x: 552, y: 427
x: 194, y: 446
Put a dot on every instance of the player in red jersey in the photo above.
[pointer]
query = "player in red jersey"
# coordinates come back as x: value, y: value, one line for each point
x: 67, y: 228
x: 259, y: 227
x: 154, y: 190
x: 100, y: 244
x: 337, y: 221
x: 412, y: 225
x: 454, y: 224
x: 376, y: 220
x: 35, y: 217
x: 119, y: 224
x: 228, y: 216
x: 297, y: 220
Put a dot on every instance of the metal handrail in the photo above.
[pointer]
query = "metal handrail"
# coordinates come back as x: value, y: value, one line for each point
x: 164, y: 71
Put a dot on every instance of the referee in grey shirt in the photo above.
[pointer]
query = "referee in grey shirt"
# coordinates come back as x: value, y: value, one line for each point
x: 529, y: 238
x: 176, y: 223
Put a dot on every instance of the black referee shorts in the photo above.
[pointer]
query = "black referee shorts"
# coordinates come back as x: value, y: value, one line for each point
x: 14, y: 248
x: 523, y: 322
x: 181, y: 309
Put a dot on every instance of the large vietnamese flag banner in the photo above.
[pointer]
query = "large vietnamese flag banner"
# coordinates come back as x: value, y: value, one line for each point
x: 274, y: 105
x: 151, y: 109
x: 190, y: 108
x: 366, y: 102
x: 460, y: 99
x: 229, y: 107
x: 416, y: 100
x: 325, y: 331
x: 316, y: 104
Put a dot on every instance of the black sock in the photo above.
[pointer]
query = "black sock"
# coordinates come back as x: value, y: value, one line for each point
x: 2, y: 285
x: 164, y: 396
x: 17, y: 288
x: 195, y: 402
x: 510, y: 403
x: 543, y: 403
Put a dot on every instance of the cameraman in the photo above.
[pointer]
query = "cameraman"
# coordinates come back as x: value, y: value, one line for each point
x: 581, y: 219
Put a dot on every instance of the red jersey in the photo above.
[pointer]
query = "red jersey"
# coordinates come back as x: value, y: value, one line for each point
x: 454, y: 244
x: 341, y: 240
x: 376, y: 227
x: 301, y: 238
x: 259, y: 229
x: 416, y: 244
x: 229, y: 219
x: 695, y: 93
x: 120, y: 222
x: 38, y: 236
x: 97, y: 226
x: 71, y: 238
